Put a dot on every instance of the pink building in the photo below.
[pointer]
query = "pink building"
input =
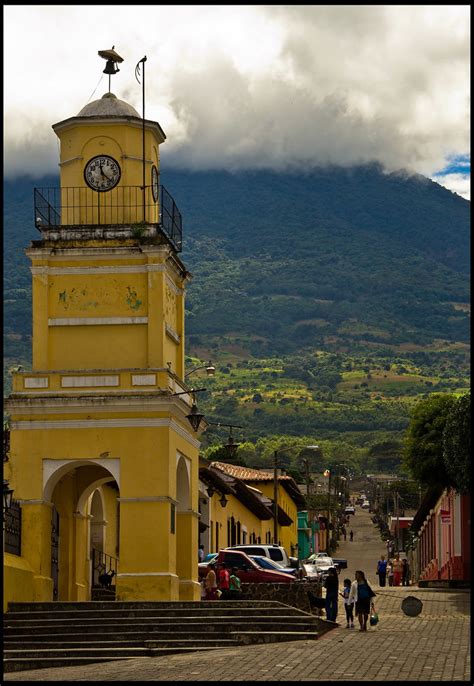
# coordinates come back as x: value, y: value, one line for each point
x: 443, y: 544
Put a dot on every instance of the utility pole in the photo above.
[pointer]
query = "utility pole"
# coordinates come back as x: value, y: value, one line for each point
x: 397, y: 514
x: 329, y: 510
x: 308, y: 479
x: 275, y: 497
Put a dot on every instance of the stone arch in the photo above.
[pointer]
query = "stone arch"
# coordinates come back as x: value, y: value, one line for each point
x: 74, y: 487
x: 183, y: 483
x: 54, y: 470
x: 84, y: 501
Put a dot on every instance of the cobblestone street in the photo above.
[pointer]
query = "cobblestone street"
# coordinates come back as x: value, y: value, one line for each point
x: 434, y: 646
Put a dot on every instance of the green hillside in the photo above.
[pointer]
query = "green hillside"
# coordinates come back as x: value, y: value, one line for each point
x: 329, y: 301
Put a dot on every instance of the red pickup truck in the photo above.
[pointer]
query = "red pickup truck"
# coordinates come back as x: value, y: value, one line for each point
x: 248, y: 569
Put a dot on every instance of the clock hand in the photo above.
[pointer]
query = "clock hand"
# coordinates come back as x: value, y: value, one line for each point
x: 107, y: 175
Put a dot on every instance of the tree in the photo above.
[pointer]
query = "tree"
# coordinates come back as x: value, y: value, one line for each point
x: 423, y: 454
x: 457, y: 443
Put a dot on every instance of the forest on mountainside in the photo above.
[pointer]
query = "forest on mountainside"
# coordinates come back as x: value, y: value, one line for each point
x: 330, y: 301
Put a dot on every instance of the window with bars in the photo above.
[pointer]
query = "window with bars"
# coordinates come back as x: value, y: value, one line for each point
x: 13, y: 529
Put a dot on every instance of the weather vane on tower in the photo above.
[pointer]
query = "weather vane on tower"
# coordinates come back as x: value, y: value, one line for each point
x: 112, y: 59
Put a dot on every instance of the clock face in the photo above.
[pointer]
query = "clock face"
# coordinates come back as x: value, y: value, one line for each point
x: 102, y: 173
x: 154, y: 182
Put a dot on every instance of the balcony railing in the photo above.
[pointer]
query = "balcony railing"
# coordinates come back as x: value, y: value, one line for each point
x: 129, y: 206
x: 103, y: 564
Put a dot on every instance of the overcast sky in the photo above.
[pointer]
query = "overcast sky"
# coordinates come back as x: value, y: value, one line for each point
x: 251, y: 86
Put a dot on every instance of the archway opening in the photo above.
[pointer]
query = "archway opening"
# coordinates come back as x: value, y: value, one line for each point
x: 84, y: 496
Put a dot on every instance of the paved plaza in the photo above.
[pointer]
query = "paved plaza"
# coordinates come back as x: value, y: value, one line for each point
x: 434, y: 646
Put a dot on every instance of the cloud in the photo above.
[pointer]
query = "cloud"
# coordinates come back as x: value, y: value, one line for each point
x: 250, y: 86
x: 458, y: 183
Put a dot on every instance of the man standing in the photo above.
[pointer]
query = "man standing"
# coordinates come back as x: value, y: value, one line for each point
x: 331, y: 585
x: 382, y: 570
x: 201, y: 553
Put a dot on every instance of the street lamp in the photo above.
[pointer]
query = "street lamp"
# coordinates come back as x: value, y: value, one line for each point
x: 328, y: 473
x: 209, y: 367
x: 230, y: 446
x: 275, y: 483
x: 337, y: 494
x: 194, y: 418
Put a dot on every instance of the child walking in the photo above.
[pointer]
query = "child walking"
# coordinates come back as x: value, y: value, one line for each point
x: 348, y: 606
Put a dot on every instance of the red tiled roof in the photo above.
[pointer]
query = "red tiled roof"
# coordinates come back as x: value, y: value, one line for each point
x: 246, y: 473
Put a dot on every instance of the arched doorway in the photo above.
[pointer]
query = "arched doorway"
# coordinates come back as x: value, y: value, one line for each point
x: 84, y: 495
x: 186, y: 531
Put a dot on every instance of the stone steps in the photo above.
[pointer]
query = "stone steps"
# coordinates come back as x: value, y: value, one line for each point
x: 137, y: 604
x: 112, y: 614
x: 40, y: 635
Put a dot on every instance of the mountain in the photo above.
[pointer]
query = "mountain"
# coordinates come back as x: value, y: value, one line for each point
x: 349, y: 253
x: 329, y: 300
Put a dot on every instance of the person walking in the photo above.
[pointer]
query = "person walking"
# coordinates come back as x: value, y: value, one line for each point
x: 235, y: 590
x: 344, y: 532
x: 331, y: 585
x: 390, y: 572
x: 210, y: 585
x: 405, y: 573
x: 348, y: 606
x: 224, y: 582
x: 397, y: 569
x: 351, y: 535
x: 382, y: 570
x: 361, y: 594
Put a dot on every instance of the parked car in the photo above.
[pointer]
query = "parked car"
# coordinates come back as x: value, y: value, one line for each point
x: 311, y: 572
x: 266, y: 563
x: 274, y: 552
x: 350, y: 510
x: 365, y: 505
x: 248, y: 570
x: 209, y: 557
x: 319, y: 564
x: 340, y: 562
x: 315, y: 556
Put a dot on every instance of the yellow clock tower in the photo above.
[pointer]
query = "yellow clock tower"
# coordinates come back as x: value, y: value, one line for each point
x: 103, y: 458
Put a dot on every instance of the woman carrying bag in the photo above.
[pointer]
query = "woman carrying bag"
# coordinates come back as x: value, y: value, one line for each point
x: 361, y: 594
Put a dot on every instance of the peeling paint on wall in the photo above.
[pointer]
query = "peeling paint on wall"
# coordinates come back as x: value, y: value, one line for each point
x: 75, y: 300
x: 132, y: 299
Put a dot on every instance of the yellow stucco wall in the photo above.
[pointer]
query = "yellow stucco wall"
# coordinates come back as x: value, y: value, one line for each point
x: 82, y: 139
x: 287, y: 535
x: 259, y: 528
x: 135, y: 300
x: 18, y: 584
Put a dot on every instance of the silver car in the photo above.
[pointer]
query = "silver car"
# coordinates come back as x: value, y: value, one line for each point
x: 318, y: 565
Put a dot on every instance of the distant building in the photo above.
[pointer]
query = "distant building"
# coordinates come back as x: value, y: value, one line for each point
x: 248, y: 516
x: 441, y: 528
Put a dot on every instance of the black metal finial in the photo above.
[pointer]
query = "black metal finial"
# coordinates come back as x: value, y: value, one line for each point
x: 112, y: 59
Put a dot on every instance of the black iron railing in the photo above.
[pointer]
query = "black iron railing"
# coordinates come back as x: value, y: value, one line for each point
x: 13, y: 529
x: 103, y: 564
x: 170, y: 219
x: 130, y: 206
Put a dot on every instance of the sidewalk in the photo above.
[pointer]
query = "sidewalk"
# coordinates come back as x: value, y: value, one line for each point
x: 435, y: 646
